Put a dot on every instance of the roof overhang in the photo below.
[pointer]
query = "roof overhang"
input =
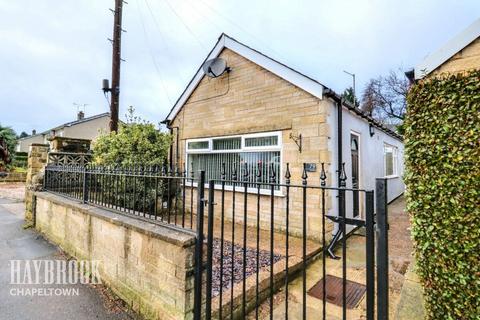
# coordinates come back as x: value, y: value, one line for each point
x: 454, y: 45
x: 296, y: 78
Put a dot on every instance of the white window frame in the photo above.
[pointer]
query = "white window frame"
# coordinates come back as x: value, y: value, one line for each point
x: 394, y: 160
x: 242, y: 149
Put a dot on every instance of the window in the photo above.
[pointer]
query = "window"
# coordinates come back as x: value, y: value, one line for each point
x: 390, y: 160
x: 254, y: 150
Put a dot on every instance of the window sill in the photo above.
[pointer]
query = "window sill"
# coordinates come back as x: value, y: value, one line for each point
x: 391, y: 177
x: 240, y: 189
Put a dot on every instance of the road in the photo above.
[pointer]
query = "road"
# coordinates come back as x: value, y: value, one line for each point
x: 16, y: 243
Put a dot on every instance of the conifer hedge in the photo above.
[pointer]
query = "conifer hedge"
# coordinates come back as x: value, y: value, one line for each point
x: 442, y: 158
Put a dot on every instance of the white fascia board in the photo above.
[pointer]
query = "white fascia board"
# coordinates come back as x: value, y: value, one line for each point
x: 454, y: 45
x: 284, y: 72
x: 294, y: 77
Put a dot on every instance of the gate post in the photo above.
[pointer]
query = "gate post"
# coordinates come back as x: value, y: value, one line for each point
x: 211, y: 199
x: 382, y: 248
x: 370, y: 251
x: 85, y: 184
x: 197, y: 300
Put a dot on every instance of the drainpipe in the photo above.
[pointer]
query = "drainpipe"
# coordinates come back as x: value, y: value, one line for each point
x: 177, y: 159
x: 329, y: 93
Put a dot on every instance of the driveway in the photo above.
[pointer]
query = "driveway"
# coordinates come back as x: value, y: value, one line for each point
x: 16, y: 243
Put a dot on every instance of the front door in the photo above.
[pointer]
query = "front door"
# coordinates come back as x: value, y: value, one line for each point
x: 354, y: 146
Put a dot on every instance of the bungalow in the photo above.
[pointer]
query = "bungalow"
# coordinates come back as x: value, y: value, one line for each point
x: 262, y: 111
x: 83, y: 128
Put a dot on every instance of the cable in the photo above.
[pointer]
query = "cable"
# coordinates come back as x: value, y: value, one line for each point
x: 164, y: 41
x: 239, y: 27
x: 152, y: 55
x: 185, y: 25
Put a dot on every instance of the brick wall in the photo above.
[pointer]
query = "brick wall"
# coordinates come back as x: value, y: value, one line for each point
x: 251, y: 99
x: 149, y: 266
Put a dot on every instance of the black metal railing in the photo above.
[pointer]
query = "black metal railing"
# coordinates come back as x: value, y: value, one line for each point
x: 257, y: 236
x: 152, y: 192
x: 249, y: 266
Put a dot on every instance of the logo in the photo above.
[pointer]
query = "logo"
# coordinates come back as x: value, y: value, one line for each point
x: 51, y: 277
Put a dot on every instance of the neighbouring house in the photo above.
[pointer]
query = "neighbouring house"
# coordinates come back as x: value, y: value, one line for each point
x: 460, y: 53
x: 264, y: 113
x: 83, y: 128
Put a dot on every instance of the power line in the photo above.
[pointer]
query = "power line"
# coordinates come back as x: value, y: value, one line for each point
x: 227, y: 19
x: 185, y: 25
x: 164, y: 41
x: 151, y: 53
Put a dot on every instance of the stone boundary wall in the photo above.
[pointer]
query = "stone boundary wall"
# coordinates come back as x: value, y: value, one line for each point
x: 14, y: 177
x: 148, y: 265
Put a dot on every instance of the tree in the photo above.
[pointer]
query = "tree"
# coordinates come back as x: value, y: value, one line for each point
x: 23, y: 135
x: 349, y: 95
x: 10, y: 137
x: 137, y: 142
x: 385, y: 98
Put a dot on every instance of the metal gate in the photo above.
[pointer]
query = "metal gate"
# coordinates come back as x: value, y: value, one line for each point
x: 262, y: 247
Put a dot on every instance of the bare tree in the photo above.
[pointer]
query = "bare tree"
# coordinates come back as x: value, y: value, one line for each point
x: 385, y: 98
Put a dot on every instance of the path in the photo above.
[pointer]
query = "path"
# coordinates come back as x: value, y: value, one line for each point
x: 400, y: 248
x: 17, y: 243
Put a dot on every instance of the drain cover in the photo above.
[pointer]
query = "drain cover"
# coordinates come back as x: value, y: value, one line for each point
x: 333, y: 288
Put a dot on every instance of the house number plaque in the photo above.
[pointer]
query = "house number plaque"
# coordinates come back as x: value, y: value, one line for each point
x: 311, y: 167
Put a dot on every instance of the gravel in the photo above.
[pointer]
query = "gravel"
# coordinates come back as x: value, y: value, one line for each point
x: 251, y: 265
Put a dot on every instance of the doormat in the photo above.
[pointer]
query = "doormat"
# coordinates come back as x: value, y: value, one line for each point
x: 333, y: 288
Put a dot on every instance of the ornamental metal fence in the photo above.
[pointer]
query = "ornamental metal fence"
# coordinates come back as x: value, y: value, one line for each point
x: 262, y: 248
x: 151, y: 192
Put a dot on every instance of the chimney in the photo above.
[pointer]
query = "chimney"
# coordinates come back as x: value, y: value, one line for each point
x: 34, y: 132
x: 80, y: 115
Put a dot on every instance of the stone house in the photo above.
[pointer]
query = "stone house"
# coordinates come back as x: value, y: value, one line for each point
x: 460, y: 53
x: 263, y: 112
x: 83, y: 128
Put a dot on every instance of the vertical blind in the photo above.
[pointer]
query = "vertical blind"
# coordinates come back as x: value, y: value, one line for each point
x: 212, y: 164
x: 229, y: 151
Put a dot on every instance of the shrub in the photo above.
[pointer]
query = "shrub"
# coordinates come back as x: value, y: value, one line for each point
x: 137, y: 142
x: 442, y: 152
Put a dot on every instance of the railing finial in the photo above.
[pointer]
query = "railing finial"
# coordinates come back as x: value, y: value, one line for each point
x: 323, y: 176
x: 287, y: 174
x: 304, y: 174
x: 343, y: 176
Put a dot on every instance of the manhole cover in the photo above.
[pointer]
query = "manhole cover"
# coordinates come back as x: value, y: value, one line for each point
x: 333, y: 288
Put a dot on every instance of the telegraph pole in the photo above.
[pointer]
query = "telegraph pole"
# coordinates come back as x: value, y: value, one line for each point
x: 116, y: 60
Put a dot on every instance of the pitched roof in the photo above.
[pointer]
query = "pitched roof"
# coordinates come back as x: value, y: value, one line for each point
x: 454, y: 45
x: 72, y: 123
x: 285, y: 72
x: 295, y: 77
x: 69, y: 124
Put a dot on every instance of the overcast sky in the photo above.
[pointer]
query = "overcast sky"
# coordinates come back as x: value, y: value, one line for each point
x: 54, y: 53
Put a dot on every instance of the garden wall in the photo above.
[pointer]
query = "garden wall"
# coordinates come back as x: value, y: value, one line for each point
x: 150, y: 266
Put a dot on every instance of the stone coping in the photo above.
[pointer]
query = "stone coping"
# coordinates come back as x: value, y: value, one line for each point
x: 156, y: 229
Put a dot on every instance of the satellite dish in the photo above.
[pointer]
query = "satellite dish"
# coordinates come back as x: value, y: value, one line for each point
x: 215, y: 67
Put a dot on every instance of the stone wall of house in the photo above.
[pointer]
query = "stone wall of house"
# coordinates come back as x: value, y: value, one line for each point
x: 148, y: 265
x: 37, y: 160
x: 251, y: 99
x: 466, y: 59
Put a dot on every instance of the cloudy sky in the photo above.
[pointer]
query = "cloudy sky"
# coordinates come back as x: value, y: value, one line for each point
x: 54, y: 53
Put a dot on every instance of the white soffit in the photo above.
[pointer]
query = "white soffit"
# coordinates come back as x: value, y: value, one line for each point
x: 294, y: 77
x: 454, y: 45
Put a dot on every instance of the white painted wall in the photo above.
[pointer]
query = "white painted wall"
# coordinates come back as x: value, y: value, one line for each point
x: 371, y: 160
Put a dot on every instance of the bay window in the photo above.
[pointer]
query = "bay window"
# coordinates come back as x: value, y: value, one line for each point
x: 256, y: 151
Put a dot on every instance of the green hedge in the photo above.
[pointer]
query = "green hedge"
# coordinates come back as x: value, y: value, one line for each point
x: 442, y: 155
